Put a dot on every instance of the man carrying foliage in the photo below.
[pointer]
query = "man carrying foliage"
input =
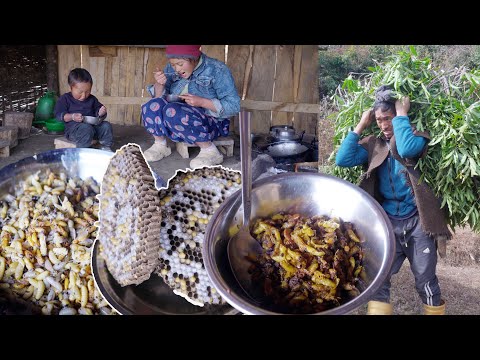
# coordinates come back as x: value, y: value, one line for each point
x: 391, y: 177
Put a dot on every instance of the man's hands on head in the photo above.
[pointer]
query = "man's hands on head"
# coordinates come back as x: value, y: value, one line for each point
x: 367, y: 119
x: 402, y: 106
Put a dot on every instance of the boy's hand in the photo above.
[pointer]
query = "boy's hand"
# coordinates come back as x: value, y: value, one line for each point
x: 77, y: 117
x: 102, y: 111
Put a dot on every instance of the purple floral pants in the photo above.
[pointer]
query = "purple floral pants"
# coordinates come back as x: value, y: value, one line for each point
x: 182, y: 122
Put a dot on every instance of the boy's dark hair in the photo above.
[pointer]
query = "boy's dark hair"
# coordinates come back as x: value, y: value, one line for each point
x: 384, y: 99
x: 79, y: 75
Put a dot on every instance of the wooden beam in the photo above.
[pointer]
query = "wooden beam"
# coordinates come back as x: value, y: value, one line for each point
x: 260, y: 85
x: 245, y: 104
x: 280, y: 106
x: 103, y: 51
x: 123, y: 100
x: 308, y: 88
x: 283, y: 83
x: 297, y: 63
x: 248, y: 69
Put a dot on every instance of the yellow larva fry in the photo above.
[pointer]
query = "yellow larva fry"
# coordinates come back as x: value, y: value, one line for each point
x: 83, y: 296
x: 42, y: 275
x: 10, y: 229
x: 52, y: 257
x: 40, y: 289
x: 2, y: 267
x: 43, y: 244
x: 28, y: 264
x: 19, y: 269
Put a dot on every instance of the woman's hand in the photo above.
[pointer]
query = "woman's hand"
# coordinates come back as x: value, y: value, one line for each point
x: 102, y: 111
x: 193, y: 100
x: 402, y: 106
x: 160, y: 76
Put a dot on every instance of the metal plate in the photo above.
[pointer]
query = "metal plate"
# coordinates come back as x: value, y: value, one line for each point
x: 152, y: 297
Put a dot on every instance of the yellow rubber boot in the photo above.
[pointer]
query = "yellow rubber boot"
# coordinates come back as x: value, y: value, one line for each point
x: 434, y: 310
x: 379, y: 308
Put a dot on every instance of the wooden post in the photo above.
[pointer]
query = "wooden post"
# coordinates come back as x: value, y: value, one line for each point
x: 260, y: 86
x: 52, y: 68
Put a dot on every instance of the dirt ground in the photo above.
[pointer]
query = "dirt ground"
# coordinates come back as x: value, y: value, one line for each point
x: 458, y: 274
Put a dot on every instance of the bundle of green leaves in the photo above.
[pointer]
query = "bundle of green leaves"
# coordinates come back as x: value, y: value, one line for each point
x: 444, y: 102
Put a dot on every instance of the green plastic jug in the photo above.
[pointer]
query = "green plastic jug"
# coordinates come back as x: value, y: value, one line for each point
x: 46, y: 106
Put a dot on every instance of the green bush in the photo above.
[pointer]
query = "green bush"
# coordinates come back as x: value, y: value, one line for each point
x: 336, y: 63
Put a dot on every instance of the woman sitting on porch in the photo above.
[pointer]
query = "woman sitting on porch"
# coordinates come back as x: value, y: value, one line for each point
x: 207, y: 99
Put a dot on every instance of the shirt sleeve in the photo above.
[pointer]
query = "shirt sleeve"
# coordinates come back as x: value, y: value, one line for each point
x: 408, y: 144
x: 151, y: 90
x: 61, y: 108
x: 227, y: 103
x: 350, y: 152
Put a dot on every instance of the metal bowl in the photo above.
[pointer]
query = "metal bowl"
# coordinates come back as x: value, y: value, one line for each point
x: 308, y: 194
x: 152, y: 296
x: 92, y: 120
x: 174, y: 98
x: 74, y: 162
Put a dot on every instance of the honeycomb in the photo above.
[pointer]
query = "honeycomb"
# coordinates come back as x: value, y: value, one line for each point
x: 130, y: 217
x: 188, y: 204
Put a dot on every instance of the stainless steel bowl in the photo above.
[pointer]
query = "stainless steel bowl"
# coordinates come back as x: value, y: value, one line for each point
x: 74, y: 162
x: 152, y: 296
x: 174, y: 98
x: 92, y: 120
x: 308, y: 194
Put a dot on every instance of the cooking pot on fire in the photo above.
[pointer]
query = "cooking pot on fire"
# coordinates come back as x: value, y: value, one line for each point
x: 286, y: 149
x: 285, y: 133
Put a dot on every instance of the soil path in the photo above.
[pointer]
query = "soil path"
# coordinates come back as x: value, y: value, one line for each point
x: 458, y: 274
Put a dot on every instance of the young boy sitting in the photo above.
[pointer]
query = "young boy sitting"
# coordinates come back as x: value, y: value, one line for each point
x: 71, y: 107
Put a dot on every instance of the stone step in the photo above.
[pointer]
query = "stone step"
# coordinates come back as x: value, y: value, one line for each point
x: 63, y: 142
x: 4, y: 148
x: 9, y: 133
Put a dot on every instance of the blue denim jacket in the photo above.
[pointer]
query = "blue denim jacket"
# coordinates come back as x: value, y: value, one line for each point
x: 211, y: 80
